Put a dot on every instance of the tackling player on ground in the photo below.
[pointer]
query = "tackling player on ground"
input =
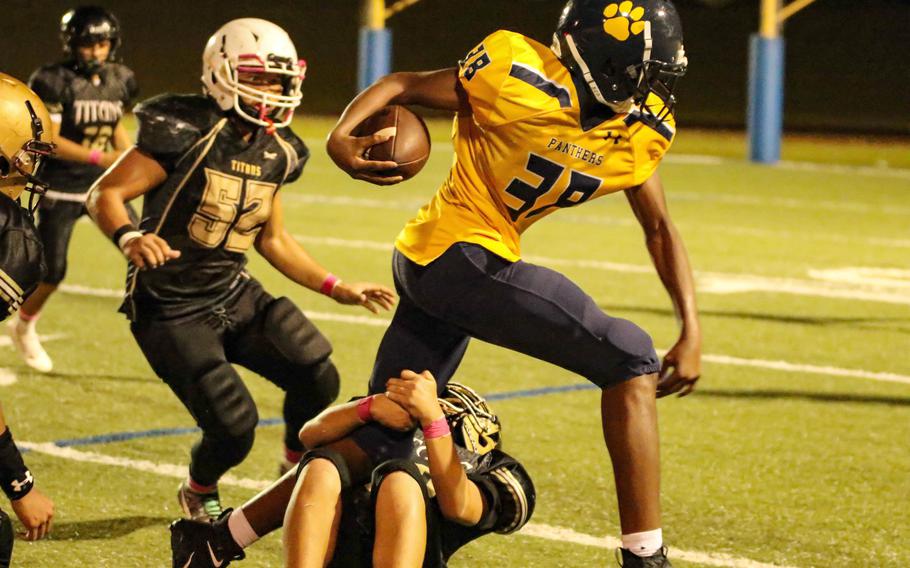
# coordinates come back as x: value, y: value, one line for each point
x: 539, y: 129
x: 86, y: 95
x: 24, y: 143
x: 456, y: 486
x: 210, y: 168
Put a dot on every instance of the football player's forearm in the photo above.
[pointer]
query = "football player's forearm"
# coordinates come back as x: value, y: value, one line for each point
x: 70, y: 151
x: 121, y: 139
x: 289, y: 258
x: 672, y: 263
x: 433, y: 89
x: 458, y: 497
x: 107, y: 209
x: 332, y: 424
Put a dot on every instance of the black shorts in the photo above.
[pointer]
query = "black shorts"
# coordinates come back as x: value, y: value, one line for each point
x: 471, y: 292
x: 239, y: 331
x: 356, y: 532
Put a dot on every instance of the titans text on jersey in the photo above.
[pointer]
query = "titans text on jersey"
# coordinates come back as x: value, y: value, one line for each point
x: 216, y: 198
x: 87, y: 111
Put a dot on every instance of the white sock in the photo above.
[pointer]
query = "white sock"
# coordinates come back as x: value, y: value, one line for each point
x: 241, y: 530
x: 25, y: 326
x: 643, y: 544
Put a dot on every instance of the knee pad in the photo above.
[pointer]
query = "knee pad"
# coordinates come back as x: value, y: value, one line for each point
x: 320, y: 384
x: 337, y: 460
x: 222, y: 404
x: 293, y: 335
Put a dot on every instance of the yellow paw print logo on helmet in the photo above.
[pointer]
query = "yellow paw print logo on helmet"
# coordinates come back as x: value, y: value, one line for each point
x: 623, y: 20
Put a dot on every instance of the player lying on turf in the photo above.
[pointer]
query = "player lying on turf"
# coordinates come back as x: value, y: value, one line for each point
x: 539, y: 129
x: 86, y: 94
x: 209, y: 168
x: 456, y: 486
x: 24, y: 142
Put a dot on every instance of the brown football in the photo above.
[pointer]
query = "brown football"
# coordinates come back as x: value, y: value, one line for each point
x: 409, y: 147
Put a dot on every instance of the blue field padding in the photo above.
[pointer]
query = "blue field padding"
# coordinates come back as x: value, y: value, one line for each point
x: 374, y: 57
x: 766, y: 98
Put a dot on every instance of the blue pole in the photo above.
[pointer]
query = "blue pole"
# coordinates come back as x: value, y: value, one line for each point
x: 375, y: 56
x: 766, y: 98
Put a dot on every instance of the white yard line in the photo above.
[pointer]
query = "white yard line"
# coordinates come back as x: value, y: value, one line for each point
x: 561, y: 534
x: 718, y: 359
x: 7, y: 377
x: 536, y: 530
x: 890, y: 286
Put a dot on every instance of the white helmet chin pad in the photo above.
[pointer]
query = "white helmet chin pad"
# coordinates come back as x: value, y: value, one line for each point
x: 252, y: 45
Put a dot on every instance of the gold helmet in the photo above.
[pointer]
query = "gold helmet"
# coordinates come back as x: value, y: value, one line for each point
x: 25, y: 139
x: 474, y: 425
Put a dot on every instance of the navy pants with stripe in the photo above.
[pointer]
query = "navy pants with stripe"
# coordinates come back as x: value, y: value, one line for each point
x: 471, y: 292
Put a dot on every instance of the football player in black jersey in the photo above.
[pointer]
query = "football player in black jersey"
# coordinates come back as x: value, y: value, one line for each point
x: 86, y: 95
x: 456, y: 486
x: 24, y: 143
x: 209, y: 168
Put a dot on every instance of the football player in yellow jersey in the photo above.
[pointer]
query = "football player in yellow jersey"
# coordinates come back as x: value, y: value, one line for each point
x: 540, y: 129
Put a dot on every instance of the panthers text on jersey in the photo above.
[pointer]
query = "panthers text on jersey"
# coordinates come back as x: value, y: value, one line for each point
x: 216, y: 198
x: 523, y: 152
x: 87, y: 112
x: 21, y: 256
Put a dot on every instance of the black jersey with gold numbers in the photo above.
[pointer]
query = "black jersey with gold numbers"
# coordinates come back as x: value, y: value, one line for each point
x: 88, y: 110
x: 216, y: 198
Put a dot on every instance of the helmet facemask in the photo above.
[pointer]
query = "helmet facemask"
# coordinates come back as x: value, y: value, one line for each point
x: 474, y: 426
x: 260, y: 106
x: 20, y: 171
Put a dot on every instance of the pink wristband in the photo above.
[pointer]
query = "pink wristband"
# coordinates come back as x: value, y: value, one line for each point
x: 329, y: 284
x: 363, y: 409
x: 94, y: 157
x: 437, y: 429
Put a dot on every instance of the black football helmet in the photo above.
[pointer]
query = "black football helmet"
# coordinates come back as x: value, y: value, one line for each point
x: 623, y: 49
x: 474, y: 425
x: 86, y: 25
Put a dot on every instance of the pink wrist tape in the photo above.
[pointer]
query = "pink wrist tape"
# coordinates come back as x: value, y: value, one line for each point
x: 329, y: 284
x: 94, y: 157
x: 363, y: 409
x: 437, y: 429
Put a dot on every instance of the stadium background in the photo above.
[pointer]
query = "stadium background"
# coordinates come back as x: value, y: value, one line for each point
x: 846, y: 68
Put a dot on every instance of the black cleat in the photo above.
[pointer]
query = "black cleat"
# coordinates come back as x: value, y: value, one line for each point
x: 630, y: 560
x: 201, y: 544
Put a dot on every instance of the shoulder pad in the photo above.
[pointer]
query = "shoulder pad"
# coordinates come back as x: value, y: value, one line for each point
x: 299, y: 155
x: 50, y: 84
x: 124, y: 75
x: 507, y: 78
x: 170, y: 124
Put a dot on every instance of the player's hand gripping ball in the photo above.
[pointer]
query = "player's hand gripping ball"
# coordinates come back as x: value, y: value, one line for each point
x: 409, y: 147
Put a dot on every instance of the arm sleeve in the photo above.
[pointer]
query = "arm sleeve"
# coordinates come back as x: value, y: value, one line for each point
x: 508, y: 492
x: 166, y: 133
x: 50, y: 88
x: 482, y: 73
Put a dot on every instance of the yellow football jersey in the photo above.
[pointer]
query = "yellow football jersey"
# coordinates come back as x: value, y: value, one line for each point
x: 522, y: 152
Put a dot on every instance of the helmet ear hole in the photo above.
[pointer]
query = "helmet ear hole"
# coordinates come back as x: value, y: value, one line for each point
x: 4, y: 166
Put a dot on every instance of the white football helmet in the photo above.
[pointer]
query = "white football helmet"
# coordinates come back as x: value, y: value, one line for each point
x: 251, y: 45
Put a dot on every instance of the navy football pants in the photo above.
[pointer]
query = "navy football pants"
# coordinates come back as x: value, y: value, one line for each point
x: 471, y: 292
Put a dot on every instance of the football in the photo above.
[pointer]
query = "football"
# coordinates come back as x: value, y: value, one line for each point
x: 409, y: 147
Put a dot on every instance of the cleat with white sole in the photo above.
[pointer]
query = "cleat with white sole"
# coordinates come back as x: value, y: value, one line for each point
x: 29, y: 347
